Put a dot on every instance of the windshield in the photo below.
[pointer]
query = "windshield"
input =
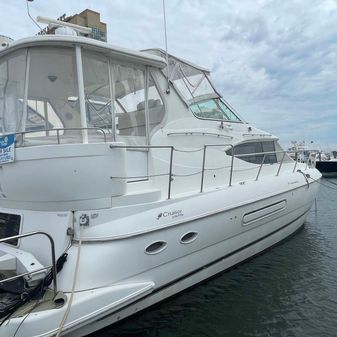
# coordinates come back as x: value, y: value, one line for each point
x: 214, y: 109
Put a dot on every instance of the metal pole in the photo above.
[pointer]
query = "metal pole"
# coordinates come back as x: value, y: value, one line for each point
x: 112, y: 100
x: 166, y: 52
x: 279, y: 168
x: 203, y: 169
x: 170, y: 174
x: 58, y: 136
x: 25, y: 95
x: 258, y: 173
x: 232, y: 164
x: 295, y: 162
x: 81, y: 97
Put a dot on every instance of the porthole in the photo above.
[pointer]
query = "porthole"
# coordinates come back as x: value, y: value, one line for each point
x: 156, y: 247
x: 188, y: 237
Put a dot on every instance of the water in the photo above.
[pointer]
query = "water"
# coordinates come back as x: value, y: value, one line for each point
x: 289, y: 291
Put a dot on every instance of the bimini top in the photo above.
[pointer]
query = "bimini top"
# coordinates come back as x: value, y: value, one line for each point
x: 102, y: 47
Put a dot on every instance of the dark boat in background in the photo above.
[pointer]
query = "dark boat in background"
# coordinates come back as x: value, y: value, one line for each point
x: 327, y: 167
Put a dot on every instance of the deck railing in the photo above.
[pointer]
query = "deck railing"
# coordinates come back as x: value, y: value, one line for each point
x: 50, y: 133
x: 172, y: 149
x: 52, y: 249
x: 20, y: 142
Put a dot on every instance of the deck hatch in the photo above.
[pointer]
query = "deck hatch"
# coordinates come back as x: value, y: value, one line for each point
x: 9, y: 226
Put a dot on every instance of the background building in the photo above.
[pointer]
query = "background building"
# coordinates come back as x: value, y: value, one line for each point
x: 87, y: 18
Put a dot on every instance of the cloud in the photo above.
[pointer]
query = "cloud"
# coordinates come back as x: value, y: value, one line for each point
x: 275, y: 61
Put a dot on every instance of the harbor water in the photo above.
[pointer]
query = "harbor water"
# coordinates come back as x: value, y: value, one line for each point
x: 291, y: 290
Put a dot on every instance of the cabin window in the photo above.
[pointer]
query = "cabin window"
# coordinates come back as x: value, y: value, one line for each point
x: 155, y: 105
x: 52, y: 91
x: 253, y: 152
x: 129, y: 88
x: 214, y: 109
x: 12, y: 83
x: 97, y: 91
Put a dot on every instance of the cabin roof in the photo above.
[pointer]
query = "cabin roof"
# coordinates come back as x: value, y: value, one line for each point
x: 95, y: 45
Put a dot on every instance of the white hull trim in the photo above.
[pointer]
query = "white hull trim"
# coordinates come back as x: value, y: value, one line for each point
x: 220, y: 265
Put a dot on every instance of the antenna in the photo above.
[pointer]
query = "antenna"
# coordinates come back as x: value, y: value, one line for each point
x: 58, y: 23
x: 167, y: 61
x: 27, y: 1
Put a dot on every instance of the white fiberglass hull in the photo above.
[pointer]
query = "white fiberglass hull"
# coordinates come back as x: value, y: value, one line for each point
x: 200, y: 275
x: 97, y: 307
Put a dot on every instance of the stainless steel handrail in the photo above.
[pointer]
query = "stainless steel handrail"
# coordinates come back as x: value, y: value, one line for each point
x: 204, y: 160
x: 203, y: 167
x: 281, y: 162
x: 52, y: 248
x: 260, y: 168
x: 112, y: 146
x: 58, y: 130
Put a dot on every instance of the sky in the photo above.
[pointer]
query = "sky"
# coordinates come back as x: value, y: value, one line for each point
x: 275, y: 61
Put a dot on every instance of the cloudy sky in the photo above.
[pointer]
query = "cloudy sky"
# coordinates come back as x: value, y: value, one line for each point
x: 275, y: 61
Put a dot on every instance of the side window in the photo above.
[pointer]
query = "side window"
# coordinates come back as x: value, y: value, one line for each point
x: 12, y: 79
x: 269, y: 147
x: 155, y: 104
x: 253, y: 152
x: 97, y: 90
x: 130, y: 102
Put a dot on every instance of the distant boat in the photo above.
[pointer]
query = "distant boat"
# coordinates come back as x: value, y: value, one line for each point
x: 327, y: 165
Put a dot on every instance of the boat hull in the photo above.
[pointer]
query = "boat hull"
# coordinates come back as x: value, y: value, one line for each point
x: 95, y: 308
x: 220, y: 265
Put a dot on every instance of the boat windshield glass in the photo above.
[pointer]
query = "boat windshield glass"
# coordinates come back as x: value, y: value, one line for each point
x: 214, y: 109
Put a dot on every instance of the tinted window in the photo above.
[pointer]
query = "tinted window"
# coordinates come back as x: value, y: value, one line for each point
x: 256, y: 149
x: 9, y: 226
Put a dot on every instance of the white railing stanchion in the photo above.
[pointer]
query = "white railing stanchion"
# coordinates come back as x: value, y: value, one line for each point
x: 281, y: 162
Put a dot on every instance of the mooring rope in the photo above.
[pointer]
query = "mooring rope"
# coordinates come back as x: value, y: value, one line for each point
x: 327, y: 186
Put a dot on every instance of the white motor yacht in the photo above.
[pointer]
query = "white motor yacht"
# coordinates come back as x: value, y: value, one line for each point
x: 125, y: 180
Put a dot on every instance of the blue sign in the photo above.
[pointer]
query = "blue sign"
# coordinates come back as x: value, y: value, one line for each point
x: 7, y: 149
